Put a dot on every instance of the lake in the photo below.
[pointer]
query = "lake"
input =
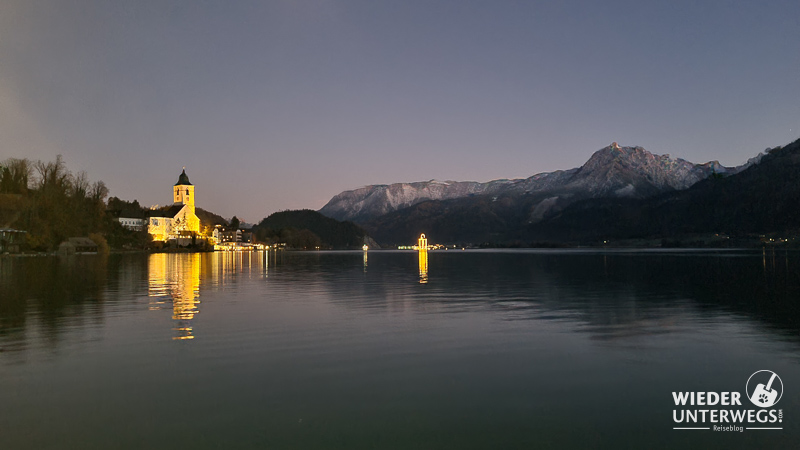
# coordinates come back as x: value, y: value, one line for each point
x: 464, y: 349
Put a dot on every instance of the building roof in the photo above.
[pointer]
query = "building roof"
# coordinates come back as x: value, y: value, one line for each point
x: 183, y: 179
x: 11, y: 230
x: 167, y: 211
x: 79, y: 242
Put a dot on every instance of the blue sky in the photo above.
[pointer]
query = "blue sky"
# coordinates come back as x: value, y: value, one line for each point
x: 276, y: 105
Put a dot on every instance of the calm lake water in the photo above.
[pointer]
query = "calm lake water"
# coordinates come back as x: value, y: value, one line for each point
x: 480, y: 349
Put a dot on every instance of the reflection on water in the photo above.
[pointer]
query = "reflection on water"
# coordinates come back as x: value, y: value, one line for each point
x: 177, y: 277
x: 502, y: 349
x: 365, y: 261
x: 423, y: 266
x: 41, y: 298
x: 611, y: 294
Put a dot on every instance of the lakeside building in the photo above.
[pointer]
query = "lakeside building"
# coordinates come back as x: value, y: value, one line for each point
x: 129, y: 215
x: 220, y: 235
x: 132, y: 219
x: 11, y: 240
x: 178, y: 220
x: 233, y: 239
x: 132, y: 223
x: 77, y: 246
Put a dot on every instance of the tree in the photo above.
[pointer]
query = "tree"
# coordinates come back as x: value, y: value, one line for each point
x: 79, y: 186
x: 99, y: 192
x: 52, y: 175
x: 15, y: 174
x: 305, y: 239
x: 235, y: 223
x: 58, y: 204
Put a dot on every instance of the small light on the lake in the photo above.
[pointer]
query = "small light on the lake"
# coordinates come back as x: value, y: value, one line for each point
x: 365, y: 247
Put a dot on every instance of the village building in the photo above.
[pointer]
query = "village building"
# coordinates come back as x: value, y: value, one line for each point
x: 77, y: 245
x: 131, y: 218
x: 221, y: 235
x: 11, y: 240
x: 132, y: 223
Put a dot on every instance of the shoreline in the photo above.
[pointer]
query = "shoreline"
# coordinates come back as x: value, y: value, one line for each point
x: 565, y: 249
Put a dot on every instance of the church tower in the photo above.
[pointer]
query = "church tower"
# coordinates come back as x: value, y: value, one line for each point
x: 186, y: 219
x: 184, y: 191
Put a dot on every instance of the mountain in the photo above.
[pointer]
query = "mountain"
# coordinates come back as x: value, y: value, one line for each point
x: 493, y: 219
x: 616, y: 171
x: 761, y: 199
x: 372, y: 201
x: 310, y: 229
x: 613, y: 171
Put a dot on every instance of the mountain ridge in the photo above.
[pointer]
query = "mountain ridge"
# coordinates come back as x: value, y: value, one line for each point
x: 754, y: 199
x: 611, y: 171
x: 760, y: 199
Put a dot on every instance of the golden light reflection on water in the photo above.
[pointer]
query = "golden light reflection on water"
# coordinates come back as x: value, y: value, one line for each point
x: 175, y: 280
x: 423, y: 266
x: 176, y: 276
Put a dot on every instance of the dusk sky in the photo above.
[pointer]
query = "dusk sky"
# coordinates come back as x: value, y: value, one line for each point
x: 276, y: 105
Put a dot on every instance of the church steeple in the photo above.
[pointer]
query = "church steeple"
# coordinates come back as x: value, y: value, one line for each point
x: 183, y: 179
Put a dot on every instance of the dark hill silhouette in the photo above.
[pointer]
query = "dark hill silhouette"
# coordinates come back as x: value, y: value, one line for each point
x: 209, y: 219
x: 308, y: 229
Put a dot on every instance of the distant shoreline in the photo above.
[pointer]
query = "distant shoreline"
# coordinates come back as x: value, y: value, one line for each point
x: 569, y: 249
